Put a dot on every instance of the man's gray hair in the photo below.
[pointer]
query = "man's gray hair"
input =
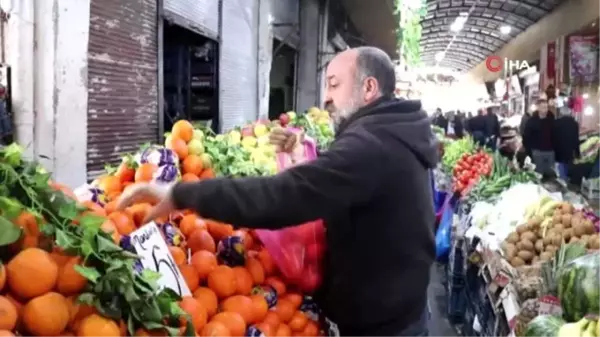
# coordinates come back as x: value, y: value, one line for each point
x: 374, y: 62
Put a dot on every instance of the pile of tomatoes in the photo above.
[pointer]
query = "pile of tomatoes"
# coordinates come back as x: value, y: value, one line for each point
x: 469, y: 169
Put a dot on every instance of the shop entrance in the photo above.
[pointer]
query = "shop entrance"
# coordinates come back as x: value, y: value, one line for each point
x: 191, y: 89
x: 282, y: 80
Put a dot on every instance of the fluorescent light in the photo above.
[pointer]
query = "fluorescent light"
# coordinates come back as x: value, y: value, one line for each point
x: 456, y: 27
x: 439, y: 56
x: 588, y: 111
x: 505, y: 30
x: 585, y: 96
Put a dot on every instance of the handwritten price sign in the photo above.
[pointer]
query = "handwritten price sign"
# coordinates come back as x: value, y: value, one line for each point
x: 151, y: 246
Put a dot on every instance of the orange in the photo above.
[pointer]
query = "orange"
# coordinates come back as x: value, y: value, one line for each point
x: 8, y: 333
x: 189, y: 177
x: 277, y: 284
x: 207, y: 173
x: 204, y: 262
x: 28, y: 222
x: 201, y: 240
x: 109, y: 227
x: 260, y: 307
x: 218, y: 230
x: 69, y: 280
x: 178, y: 145
x: 240, y: 304
x: 96, y: 325
x: 125, y: 172
x: 311, y: 329
x: 272, y: 319
x: 2, y: 276
x: 138, y: 212
x: 110, y: 206
x: 77, y: 312
x: 267, y: 261
x: 189, y: 223
x: 145, y: 172
x: 215, y: 329
x: 193, y: 164
x: 298, y: 321
x: 31, y: 273
x: 256, y: 270
x: 94, y: 208
x: 190, y: 275
x: 110, y: 184
x: 283, y: 330
x: 222, y: 281
x: 195, y: 310
x: 183, y: 129
x: 8, y: 314
x: 233, y: 321
x: 266, y: 329
x: 295, y: 298
x: 243, y: 280
x: 208, y: 299
x: 141, y: 332
x: 46, y: 315
x: 18, y: 305
x: 123, y: 222
x: 178, y: 255
x: 285, y: 310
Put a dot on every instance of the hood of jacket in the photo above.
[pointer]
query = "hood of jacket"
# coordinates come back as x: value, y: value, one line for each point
x: 401, y: 120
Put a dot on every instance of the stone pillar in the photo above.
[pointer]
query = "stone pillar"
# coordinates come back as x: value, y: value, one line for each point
x: 307, y: 91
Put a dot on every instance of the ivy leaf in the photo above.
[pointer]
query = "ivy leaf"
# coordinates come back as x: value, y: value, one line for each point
x: 68, y: 210
x: 10, y: 208
x: 110, y: 170
x: 90, y: 220
x: 90, y: 273
x: 9, y: 232
x: 86, y: 298
x: 13, y: 154
x: 65, y: 240
x: 106, y: 246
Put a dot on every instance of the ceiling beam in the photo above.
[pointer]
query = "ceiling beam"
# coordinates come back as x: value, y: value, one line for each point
x: 515, y: 3
x: 453, y: 12
x: 469, y: 42
x: 446, y: 21
x: 467, y: 54
x: 485, y: 31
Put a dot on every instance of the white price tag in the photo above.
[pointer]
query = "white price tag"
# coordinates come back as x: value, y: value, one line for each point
x: 150, y: 245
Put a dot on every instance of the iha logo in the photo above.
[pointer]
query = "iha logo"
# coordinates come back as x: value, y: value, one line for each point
x: 495, y: 64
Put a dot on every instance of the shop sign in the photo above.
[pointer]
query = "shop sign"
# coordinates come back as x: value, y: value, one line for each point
x: 496, y: 64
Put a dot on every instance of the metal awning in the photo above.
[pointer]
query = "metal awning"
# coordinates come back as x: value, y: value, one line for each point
x: 480, y: 36
x: 376, y: 22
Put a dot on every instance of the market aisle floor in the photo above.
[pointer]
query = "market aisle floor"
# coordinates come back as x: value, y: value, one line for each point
x: 438, y: 325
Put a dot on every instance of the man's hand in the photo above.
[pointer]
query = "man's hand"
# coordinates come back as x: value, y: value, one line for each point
x: 145, y: 191
x: 284, y: 140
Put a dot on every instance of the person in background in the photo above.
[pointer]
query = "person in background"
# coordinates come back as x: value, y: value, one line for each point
x: 477, y: 127
x: 376, y: 278
x: 440, y: 121
x: 511, y: 146
x: 492, y: 129
x: 539, y: 141
x: 566, y: 141
x: 524, y: 120
x: 450, y: 131
x: 459, y: 125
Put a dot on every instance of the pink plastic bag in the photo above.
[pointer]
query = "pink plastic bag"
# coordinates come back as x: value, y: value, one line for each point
x: 297, y: 251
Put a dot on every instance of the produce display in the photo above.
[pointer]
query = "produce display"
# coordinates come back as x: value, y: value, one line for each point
x: 589, y: 150
x: 70, y: 268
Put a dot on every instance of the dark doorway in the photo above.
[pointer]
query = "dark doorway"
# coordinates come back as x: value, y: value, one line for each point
x: 282, y: 79
x: 190, y: 77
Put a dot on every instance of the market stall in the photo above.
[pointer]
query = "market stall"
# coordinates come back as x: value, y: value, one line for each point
x: 521, y: 256
x: 74, y: 265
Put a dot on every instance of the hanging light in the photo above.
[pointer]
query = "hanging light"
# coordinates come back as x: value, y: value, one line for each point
x: 588, y: 111
x: 439, y: 56
x: 505, y: 30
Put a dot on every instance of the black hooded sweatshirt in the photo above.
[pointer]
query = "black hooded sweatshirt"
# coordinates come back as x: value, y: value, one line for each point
x: 372, y: 190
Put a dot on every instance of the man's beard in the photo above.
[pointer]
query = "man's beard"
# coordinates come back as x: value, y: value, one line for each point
x: 340, y: 114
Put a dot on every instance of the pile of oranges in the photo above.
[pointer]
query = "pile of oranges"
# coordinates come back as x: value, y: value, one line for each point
x: 39, y: 285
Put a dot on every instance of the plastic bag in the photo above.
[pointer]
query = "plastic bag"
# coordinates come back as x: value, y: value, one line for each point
x: 297, y: 251
x: 444, y: 231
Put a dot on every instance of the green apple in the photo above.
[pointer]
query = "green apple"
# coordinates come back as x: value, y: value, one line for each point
x: 198, y: 134
x: 206, y: 160
x: 196, y: 147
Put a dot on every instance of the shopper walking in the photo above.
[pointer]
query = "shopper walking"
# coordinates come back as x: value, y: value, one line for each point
x: 566, y: 141
x: 478, y: 128
x: 492, y: 130
x: 372, y: 188
x: 459, y: 125
x: 538, y: 139
x: 440, y: 121
x: 524, y: 120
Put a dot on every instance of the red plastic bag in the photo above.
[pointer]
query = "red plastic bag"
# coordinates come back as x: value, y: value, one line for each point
x: 297, y: 251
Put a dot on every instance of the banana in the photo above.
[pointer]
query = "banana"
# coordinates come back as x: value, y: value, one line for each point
x: 531, y: 210
x: 548, y: 208
x: 598, y: 328
x: 573, y: 329
x: 591, y: 330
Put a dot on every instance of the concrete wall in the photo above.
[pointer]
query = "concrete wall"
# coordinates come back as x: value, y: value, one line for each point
x: 569, y: 17
x: 308, y: 69
x: 47, y: 49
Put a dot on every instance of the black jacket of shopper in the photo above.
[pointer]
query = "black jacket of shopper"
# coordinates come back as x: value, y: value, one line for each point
x: 492, y: 125
x: 566, y: 139
x: 372, y: 188
x: 524, y: 120
x: 441, y: 122
x: 477, y: 124
x: 459, y: 126
x: 538, y: 133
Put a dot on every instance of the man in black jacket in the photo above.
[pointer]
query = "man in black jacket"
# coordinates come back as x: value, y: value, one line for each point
x: 566, y: 141
x: 371, y: 188
x: 539, y: 141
